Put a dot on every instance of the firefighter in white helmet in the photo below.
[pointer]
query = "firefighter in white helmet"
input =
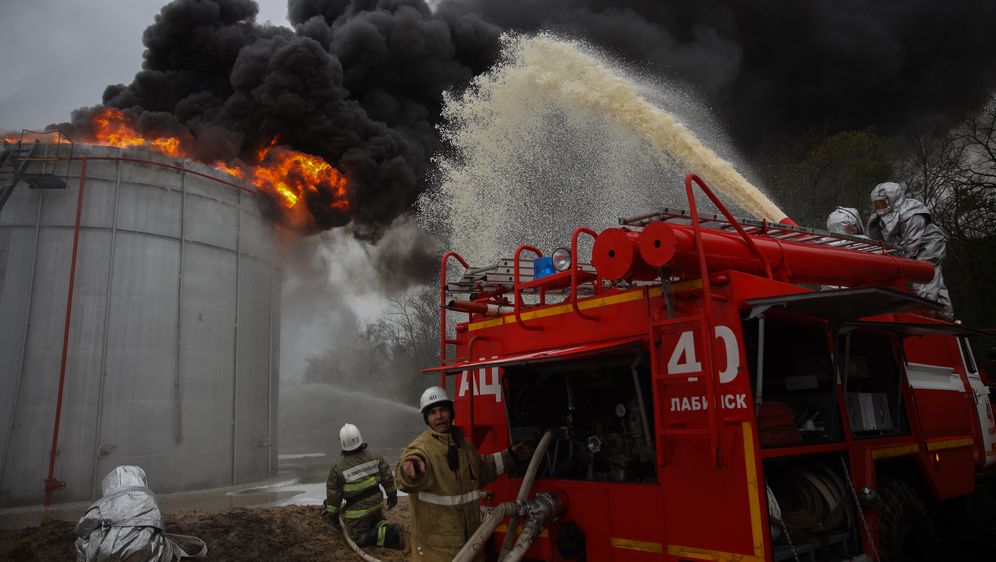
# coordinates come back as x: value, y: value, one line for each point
x: 353, y: 490
x: 443, y: 474
x: 905, y: 223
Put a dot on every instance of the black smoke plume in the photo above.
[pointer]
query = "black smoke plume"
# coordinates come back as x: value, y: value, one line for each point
x: 358, y: 82
x: 772, y: 68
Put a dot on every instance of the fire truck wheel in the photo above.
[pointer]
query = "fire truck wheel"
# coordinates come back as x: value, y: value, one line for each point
x: 905, y: 531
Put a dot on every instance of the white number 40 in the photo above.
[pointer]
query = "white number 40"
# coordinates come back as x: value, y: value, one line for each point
x: 683, y: 359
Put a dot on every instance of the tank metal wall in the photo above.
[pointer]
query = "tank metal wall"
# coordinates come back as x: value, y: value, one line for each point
x: 172, y: 354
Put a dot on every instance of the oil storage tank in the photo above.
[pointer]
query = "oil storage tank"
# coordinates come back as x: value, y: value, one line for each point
x: 169, y: 348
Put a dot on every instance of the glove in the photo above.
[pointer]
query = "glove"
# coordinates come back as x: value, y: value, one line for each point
x: 392, y: 500
x: 330, y: 517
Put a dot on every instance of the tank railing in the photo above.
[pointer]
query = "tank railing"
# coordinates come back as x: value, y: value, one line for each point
x: 576, y: 267
x: 443, y: 341
x: 517, y: 291
x: 170, y: 167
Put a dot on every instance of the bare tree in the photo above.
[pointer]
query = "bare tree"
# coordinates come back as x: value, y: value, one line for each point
x: 413, y: 321
x: 954, y: 174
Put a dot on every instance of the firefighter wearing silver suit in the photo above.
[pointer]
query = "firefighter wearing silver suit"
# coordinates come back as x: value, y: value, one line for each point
x: 126, y: 523
x: 905, y: 222
x: 845, y: 220
x: 353, y: 491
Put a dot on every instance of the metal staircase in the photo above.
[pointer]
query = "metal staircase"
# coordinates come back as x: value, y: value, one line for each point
x: 34, y: 161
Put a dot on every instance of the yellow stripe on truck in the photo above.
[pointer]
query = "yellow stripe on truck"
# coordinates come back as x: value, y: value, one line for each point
x: 891, y: 452
x: 587, y: 304
x: 950, y: 444
x: 642, y: 546
x: 753, y: 496
x: 713, y: 555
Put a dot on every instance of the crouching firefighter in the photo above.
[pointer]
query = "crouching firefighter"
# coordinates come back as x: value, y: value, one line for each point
x: 353, y: 492
x: 443, y: 474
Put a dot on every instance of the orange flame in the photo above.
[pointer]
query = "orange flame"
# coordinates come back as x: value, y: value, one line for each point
x: 233, y: 170
x: 285, y: 174
x: 112, y: 127
x: 45, y: 137
x: 291, y: 175
x: 168, y: 146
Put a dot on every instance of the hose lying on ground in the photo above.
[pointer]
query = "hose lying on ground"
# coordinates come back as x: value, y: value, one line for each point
x: 359, y: 552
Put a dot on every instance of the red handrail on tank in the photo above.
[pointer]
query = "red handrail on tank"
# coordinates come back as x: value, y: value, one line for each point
x: 442, y: 308
x: 165, y: 165
x: 575, y: 267
x: 518, y: 287
x: 51, y: 484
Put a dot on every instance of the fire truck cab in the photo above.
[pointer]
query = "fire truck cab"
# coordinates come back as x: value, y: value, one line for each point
x: 718, y: 389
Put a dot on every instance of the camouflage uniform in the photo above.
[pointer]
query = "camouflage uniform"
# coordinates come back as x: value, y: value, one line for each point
x: 355, y: 479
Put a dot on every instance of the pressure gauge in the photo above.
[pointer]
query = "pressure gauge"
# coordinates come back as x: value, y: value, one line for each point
x: 620, y: 410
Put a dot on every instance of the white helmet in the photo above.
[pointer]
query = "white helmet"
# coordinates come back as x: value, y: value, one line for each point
x: 350, y: 438
x: 433, y: 396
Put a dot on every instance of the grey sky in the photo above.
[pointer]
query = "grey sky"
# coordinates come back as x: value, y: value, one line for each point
x: 60, y: 54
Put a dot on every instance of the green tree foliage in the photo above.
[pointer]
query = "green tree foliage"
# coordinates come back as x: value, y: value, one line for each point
x: 952, y: 172
x: 812, y: 176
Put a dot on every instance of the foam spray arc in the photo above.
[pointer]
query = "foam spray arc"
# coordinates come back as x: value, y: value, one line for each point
x: 569, y: 72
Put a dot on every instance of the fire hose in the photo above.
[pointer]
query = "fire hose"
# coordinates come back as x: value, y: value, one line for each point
x: 527, y: 483
x: 359, y: 552
x: 811, y: 501
x: 545, y: 507
x: 512, y: 509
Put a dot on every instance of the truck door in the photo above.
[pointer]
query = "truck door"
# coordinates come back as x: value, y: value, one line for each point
x: 984, y: 408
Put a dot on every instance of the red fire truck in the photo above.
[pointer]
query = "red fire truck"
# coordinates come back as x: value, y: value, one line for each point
x: 713, y: 388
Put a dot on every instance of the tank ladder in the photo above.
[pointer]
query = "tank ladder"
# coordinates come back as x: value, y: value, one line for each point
x: 16, y: 161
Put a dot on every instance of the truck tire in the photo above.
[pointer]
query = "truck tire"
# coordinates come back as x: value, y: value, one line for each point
x: 905, y: 532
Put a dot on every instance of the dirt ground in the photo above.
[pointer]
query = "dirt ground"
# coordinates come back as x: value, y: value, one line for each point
x: 279, y: 533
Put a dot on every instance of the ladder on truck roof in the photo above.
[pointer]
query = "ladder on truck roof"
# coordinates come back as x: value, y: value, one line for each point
x: 500, y: 278
x: 755, y: 227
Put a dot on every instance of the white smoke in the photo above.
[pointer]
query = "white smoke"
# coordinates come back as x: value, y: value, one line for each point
x: 557, y: 136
